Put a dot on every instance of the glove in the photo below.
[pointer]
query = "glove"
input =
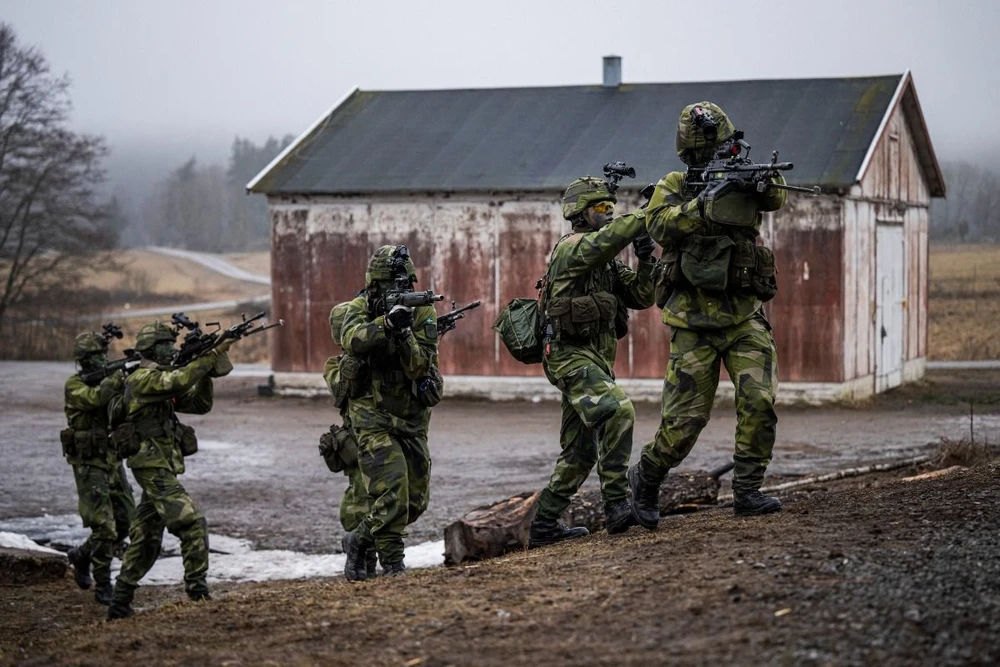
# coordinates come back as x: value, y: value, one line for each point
x: 224, y: 346
x: 643, y: 246
x: 399, y: 319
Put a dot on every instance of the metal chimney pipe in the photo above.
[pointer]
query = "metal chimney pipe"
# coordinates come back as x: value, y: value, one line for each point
x: 612, y: 71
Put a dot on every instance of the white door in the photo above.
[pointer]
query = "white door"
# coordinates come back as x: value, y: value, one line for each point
x: 890, y: 287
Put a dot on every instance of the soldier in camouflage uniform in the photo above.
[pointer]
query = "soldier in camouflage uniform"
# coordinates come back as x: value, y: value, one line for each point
x: 391, y: 413
x: 106, y: 503
x: 341, y: 453
x: 586, y: 292
x: 714, y: 280
x: 155, y: 442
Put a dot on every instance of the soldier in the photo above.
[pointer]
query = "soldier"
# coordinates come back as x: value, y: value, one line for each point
x: 106, y: 503
x: 585, y: 294
x: 714, y: 280
x: 156, y: 444
x: 340, y: 446
x: 390, y: 415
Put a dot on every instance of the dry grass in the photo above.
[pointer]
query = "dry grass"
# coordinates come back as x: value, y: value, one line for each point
x: 258, y: 262
x: 964, y: 302
x: 965, y: 453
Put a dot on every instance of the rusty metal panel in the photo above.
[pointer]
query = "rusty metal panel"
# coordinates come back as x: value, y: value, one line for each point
x: 289, y: 277
x: 463, y: 270
x: 526, y: 234
x: 807, y: 315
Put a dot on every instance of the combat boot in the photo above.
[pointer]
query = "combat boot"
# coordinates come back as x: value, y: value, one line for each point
x: 80, y: 560
x: 199, y: 596
x: 121, y: 601
x: 103, y: 592
x: 618, y: 516
x: 549, y: 531
x: 371, y: 560
x: 393, y: 569
x: 355, y: 565
x: 752, y: 503
x: 645, y: 497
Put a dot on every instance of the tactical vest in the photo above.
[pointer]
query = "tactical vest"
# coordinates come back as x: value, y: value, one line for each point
x: 86, y: 436
x: 726, y: 260
x: 157, y: 420
x: 590, y: 308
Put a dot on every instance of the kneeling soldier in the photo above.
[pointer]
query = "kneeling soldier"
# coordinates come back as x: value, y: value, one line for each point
x: 156, y: 444
x: 106, y: 503
x: 390, y: 417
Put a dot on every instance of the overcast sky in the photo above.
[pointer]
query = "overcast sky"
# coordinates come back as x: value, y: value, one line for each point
x: 192, y: 74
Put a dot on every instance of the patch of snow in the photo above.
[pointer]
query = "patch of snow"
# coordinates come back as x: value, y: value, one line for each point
x: 18, y: 541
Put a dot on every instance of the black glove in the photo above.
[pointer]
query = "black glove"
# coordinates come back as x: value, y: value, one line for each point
x: 643, y: 246
x: 399, y: 319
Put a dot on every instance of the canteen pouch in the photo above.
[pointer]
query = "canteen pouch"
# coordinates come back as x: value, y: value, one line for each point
x: 339, y: 448
x: 186, y: 439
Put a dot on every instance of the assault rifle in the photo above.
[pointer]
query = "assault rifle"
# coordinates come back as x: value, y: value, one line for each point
x: 402, y: 293
x: 447, y: 322
x: 197, y: 343
x: 731, y: 167
x: 613, y: 174
x: 109, y: 331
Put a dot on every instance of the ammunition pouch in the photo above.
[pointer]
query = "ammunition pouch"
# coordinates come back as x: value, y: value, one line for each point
x: 520, y: 330
x: 67, y: 437
x: 91, y: 444
x: 582, y: 318
x: 666, y: 274
x: 354, y: 376
x: 705, y: 261
x: 752, y: 271
x: 339, y: 448
x: 126, y: 440
x: 186, y: 439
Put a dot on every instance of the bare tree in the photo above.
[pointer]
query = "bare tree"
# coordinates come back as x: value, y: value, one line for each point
x: 52, y: 218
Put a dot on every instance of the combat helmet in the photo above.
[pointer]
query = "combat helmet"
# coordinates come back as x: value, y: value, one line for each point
x: 387, y: 261
x: 151, y: 334
x: 88, y: 343
x: 701, y: 128
x: 584, y: 192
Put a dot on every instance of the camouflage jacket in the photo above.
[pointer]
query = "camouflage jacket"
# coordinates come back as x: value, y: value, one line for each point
x: 672, y: 217
x: 86, y: 411
x: 153, y: 394
x: 395, y: 364
x: 586, y: 261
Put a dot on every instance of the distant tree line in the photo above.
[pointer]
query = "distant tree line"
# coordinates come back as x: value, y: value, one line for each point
x: 970, y: 212
x: 206, y: 208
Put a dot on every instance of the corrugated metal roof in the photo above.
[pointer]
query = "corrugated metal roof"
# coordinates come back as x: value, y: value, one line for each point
x: 525, y: 139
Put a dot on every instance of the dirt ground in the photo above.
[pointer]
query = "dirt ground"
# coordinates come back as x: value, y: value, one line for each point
x: 871, y: 570
x: 887, y: 572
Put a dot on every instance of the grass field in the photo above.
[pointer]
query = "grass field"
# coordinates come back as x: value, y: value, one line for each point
x: 964, y: 302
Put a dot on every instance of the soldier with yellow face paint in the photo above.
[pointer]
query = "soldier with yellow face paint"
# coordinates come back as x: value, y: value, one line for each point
x: 586, y: 291
x: 715, y: 277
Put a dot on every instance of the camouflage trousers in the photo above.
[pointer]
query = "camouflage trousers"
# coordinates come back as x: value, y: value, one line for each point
x: 165, y: 503
x: 107, y: 508
x: 689, y: 388
x: 597, y: 422
x: 354, y: 505
x: 396, y: 471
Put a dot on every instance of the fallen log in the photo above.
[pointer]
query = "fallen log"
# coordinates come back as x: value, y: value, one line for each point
x: 492, y: 530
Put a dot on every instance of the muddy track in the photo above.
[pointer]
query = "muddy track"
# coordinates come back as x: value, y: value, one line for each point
x: 891, y: 572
